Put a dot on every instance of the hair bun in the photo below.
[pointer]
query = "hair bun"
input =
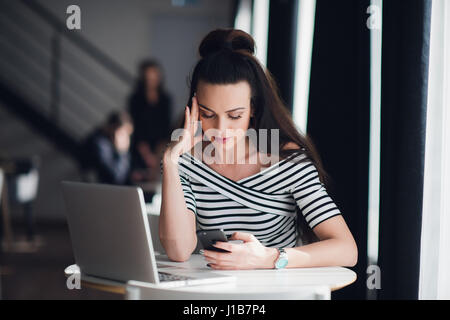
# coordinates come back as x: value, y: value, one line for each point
x: 222, y: 39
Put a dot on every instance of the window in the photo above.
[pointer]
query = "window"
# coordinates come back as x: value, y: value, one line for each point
x: 303, y: 52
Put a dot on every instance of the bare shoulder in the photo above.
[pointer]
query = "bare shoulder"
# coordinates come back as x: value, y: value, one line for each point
x: 291, y: 146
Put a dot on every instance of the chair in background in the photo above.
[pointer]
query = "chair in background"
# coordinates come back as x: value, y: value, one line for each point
x: 20, y: 186
x: 22, y: 189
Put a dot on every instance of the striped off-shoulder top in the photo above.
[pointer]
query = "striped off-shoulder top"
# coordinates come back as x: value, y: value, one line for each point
x: 264, y: 204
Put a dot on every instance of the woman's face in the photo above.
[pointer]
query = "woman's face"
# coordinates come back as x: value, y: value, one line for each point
x: 225, y: 111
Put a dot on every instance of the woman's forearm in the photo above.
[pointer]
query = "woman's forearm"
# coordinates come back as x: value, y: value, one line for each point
x: 330, y: 252
x: 176, y: 224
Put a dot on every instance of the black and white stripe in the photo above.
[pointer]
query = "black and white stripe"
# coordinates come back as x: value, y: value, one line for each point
x: 263, y: 204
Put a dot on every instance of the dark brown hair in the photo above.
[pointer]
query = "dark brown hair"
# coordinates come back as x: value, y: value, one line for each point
x: 227, y: 57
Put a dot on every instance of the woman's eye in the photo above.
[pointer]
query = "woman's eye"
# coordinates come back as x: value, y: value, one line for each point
x: 210, y: 116
x: 207, y: 116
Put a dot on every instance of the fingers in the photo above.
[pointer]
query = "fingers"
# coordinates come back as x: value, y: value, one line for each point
x: 187, y: 117
x: 191, y: 116
x: 217, y: 256
x: 222, y: 267
x: 225, y: 246
x: 220, y: 260
x: 194, y: 112
x: 244, y: 236
x: 189, y: 139
x: 194, y: 115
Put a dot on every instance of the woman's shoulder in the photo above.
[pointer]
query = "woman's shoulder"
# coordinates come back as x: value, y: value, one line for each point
x: 291, y: 146
x: 298, y: 163
x: 293, y: 152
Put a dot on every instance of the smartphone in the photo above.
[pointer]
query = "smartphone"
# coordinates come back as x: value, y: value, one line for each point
x: 208, y: 237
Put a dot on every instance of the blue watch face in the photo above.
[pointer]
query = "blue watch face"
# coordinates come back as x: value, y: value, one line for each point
x: 282, y: 263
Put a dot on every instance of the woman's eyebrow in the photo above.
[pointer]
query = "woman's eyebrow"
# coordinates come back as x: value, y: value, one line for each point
x: 235, y: 109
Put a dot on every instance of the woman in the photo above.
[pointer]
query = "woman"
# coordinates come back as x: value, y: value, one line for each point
x: 149, y: 107
x: 256, y: 203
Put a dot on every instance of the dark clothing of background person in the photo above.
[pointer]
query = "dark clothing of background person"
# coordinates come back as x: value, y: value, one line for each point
x: 111, y: 166
x: 151, y: 123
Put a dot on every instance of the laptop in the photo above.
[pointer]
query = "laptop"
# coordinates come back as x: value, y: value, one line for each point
x: 111, y: 237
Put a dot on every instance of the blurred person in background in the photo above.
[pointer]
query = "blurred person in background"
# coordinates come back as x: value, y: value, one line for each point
x: 108, y: 149
x: 150, y: 109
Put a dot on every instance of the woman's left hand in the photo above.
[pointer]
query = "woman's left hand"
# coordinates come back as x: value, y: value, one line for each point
x: 250, y: 254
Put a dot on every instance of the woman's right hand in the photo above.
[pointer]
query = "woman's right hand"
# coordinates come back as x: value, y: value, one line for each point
x: 187, y: 140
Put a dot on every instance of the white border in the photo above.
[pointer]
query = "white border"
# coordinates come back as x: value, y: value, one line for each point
x: 434, y: 282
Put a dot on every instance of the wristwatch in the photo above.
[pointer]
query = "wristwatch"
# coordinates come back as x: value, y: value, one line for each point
x: 282, y: 259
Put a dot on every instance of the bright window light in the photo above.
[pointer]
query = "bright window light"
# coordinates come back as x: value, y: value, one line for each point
x: 243, y: 20
x: 375, y: 25
x: 260, y: 28
x: 303, y: 53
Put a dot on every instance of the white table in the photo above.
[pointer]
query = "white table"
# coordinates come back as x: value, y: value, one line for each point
x: 300, y: 283
x: 250, y: 284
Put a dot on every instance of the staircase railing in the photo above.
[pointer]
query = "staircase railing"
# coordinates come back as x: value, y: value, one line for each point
x: 57, y: 72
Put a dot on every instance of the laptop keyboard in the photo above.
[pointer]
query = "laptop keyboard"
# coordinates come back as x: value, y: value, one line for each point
x: 163, y: 276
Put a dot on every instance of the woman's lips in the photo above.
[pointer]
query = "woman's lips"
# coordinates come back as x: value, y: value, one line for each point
x: 221, y: 140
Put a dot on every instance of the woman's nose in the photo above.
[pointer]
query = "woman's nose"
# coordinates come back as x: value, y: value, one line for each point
x: 221, y: 125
